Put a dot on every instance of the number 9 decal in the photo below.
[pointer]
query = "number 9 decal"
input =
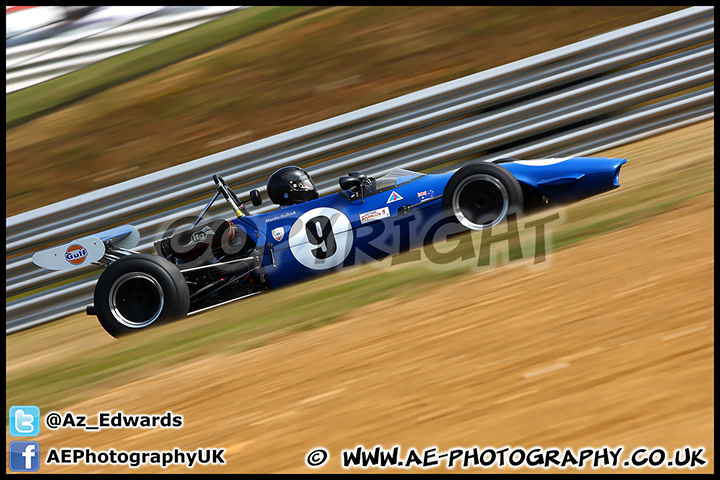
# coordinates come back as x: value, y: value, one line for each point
x: 321, y: 238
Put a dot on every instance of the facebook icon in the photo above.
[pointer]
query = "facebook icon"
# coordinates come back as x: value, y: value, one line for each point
x: 24, y: 456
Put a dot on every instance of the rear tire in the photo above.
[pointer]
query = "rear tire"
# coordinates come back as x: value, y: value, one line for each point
x: 138, y: 292
x: 481, y: 195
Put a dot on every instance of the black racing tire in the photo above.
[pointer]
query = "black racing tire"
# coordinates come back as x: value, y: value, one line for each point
x: 138, y: 292
x: 481, y: 195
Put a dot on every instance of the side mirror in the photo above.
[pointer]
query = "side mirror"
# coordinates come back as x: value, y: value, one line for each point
x: 255, y: 198
x: 359, y: 175
x: 350, y: 183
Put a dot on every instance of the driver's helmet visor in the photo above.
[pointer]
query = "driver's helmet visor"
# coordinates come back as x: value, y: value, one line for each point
x: 303, y: 182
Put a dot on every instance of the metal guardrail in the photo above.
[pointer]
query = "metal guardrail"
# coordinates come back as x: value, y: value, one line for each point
x: 35, y: 62
x: 578, y: 99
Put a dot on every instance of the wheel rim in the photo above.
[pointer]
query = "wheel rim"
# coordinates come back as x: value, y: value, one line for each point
x: 136, y: 300
x: 480, y: 201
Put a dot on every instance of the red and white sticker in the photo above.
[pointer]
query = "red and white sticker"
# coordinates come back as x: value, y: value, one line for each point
x: 375, y: 215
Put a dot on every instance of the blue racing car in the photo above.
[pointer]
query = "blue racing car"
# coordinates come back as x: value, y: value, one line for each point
x: 216, y: 262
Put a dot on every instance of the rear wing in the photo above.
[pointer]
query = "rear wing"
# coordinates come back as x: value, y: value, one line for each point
x: 105, y: 247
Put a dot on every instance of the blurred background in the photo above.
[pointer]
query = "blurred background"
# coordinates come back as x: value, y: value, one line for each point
x: 215, y: 86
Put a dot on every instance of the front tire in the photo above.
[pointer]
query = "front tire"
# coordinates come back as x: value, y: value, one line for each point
x: 138, y: 292
x: 481, y: 195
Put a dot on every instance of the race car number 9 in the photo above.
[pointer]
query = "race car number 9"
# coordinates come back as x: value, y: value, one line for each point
x: 321, y: 238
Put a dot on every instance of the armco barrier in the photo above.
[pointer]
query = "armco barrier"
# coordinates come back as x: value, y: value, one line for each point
x: 578, y: 99
x: 35, y: 62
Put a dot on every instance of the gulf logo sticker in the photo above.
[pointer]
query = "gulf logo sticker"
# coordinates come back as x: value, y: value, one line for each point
x: 76, y: 254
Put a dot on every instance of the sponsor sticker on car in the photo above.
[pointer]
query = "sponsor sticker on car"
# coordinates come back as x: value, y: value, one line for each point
x: 76, y: 254
x: 278, y: 233
x: 374, y: 215
x: 394, y: 197
x: 201, y: 235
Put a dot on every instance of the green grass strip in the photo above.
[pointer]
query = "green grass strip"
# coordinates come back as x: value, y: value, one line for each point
x: 32, y: 102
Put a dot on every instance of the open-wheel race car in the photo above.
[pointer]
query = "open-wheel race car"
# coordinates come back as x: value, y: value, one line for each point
x: 215, y: 262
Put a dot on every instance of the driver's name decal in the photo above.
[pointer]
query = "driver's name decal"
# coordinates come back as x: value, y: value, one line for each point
x: 280, y: 217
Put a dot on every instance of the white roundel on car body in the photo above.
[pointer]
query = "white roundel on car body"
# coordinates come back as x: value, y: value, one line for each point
x: 321, y: 238
x: 541, y: 162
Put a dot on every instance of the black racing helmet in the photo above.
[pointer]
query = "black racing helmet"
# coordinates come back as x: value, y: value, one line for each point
x: 291, y: 185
